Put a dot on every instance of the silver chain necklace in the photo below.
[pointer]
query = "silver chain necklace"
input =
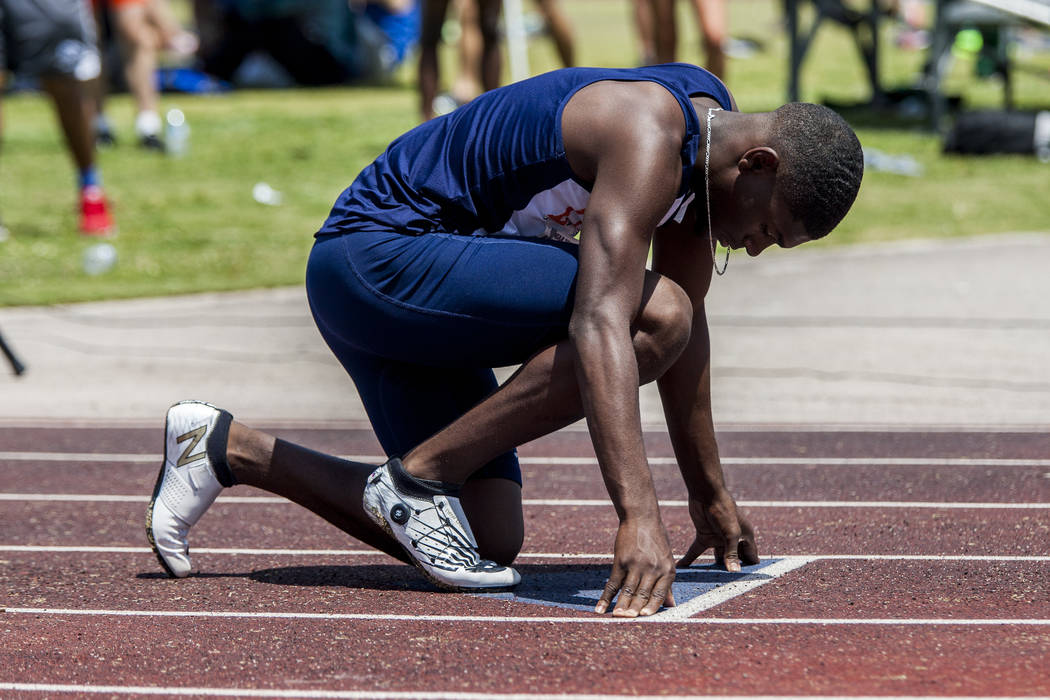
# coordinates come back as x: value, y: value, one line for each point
x: 707, y: 194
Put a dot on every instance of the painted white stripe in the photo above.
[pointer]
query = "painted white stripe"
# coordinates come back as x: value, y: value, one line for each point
x: 959, y: 505
x: 599, y: 620
x: 117, y: 498
x: 605, y: 556
x: 412, y: 695
x: 584, y: 461
x: 818, y: 461
x: 559, y: 502
x: 731, y: 590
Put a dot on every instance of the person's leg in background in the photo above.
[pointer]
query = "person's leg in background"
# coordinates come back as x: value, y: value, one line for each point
x: 74, y: 104
x: 560, y: 28
x: 642, y: 14
x: 665, y: 30
x: 433, y: 18
x: 467, y: 83
x: 712, y: 18
x: 140, y: 42
x: 491, y: 55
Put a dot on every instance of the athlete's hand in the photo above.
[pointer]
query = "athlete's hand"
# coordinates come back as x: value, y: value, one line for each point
x: 721, y: 527
x: 642, y: 571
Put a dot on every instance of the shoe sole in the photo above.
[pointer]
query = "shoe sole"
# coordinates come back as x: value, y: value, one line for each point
x: 153, y: 500
x: 381, y: 520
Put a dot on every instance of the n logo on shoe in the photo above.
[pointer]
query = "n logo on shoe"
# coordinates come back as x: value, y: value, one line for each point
x: 196, y: 435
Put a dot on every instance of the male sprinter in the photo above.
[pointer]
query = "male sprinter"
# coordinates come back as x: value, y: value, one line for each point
x: 457, y: 251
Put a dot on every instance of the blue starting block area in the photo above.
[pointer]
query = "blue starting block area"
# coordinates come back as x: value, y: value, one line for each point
x: 697, y: 588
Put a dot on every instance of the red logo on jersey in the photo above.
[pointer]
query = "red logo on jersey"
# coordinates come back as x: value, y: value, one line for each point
x: 570, y: 217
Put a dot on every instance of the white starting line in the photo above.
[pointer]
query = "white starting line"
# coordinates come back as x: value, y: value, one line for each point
x: 604, y: 557
x: 136, y: 458
x: 552, y: 502
x: 659, y: 618
x: 180, y: 691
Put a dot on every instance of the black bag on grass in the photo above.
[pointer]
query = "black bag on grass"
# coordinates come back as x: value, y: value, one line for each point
x: 991, y: 131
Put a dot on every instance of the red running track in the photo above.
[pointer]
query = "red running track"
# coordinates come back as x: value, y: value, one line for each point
x: 924, y: 570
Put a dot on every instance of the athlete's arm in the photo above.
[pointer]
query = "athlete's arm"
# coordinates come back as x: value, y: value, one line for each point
x: 626, y: 138
x: 685, y: 389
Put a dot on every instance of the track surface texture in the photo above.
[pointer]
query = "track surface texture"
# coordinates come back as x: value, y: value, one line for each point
x: 895, y: 563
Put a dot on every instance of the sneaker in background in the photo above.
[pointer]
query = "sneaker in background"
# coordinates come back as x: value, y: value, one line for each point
x: 95, y: 219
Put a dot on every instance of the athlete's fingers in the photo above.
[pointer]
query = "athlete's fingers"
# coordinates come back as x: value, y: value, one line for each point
x: 612, y: 587
x: 748, y: 551
x: 695, y: 550
x: 661, y: 595
x: 643, y: 595
x: 626, y: 597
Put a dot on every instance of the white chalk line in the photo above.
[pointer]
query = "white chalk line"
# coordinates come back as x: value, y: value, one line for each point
x: 552, y: 502
x: 659, y: 618
x: 409, y: 694
x: 604, y: 557
x: 135, y: 458
x: 735, y: 588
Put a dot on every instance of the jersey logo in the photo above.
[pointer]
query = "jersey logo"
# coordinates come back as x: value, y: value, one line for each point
x: 565, y: 226
x: 196, y: 435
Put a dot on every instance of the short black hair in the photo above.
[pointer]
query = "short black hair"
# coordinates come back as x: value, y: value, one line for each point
x: 821, y: 164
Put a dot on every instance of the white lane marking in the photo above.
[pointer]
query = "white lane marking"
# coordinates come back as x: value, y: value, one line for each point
x: 558, y: 502
x: 604, y: 557
x: 655, y: 619
x: 732, y: 589
x: 582, y: 461
x: 413, y: 695
x: 118, y: 498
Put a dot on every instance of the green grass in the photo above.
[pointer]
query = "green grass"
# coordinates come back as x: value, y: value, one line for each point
x: 190, y: 224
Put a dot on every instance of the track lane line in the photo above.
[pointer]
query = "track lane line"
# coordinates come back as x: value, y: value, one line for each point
x: 200, y: 691
x: 659, y: 618
x: 605, y: 557
x: 556, y: 502
x: 127, y: 457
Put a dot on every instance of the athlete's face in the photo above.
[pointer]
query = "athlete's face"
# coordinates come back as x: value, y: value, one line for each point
x: 752, y: 215
x: 754, y: 225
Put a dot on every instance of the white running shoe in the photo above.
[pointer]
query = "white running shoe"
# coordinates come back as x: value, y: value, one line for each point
x: 195, y: 442
x: 431, y: 527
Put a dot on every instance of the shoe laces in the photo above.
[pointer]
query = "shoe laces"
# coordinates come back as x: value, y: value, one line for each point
x: 444, y: 544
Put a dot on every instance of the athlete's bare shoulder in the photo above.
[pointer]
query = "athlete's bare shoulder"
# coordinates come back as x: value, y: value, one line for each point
x: 609, y: 116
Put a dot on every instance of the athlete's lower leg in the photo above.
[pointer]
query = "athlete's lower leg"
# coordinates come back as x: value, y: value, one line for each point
x: 325, y: 485
x: 332, y: 488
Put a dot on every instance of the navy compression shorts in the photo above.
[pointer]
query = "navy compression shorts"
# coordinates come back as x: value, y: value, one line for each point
x: 420, y: 321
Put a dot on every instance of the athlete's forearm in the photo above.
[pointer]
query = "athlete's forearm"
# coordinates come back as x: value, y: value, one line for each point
x: 685, y: 390
x: 607, y: 373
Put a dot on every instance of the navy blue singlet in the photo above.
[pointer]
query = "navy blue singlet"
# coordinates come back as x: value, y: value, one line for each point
x: 497, y: 165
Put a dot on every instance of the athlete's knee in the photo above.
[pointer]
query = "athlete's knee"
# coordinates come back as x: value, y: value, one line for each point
x: 493, y: 508
x: 663, y: 326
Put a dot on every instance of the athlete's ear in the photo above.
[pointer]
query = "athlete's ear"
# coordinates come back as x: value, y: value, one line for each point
x: 760, y: 158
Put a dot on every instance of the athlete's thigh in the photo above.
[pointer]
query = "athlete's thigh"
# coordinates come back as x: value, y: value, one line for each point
x: 441, y: 300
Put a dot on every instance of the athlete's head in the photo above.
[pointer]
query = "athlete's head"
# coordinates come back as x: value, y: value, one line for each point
x: 821, y: 164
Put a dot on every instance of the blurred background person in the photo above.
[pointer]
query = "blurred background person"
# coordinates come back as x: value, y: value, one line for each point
x: 657, y: 28
x: 560, y: 29
x: 142, y: 29
x: 55, y: 41
x: 480, y: 61
x: 280, y: 43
